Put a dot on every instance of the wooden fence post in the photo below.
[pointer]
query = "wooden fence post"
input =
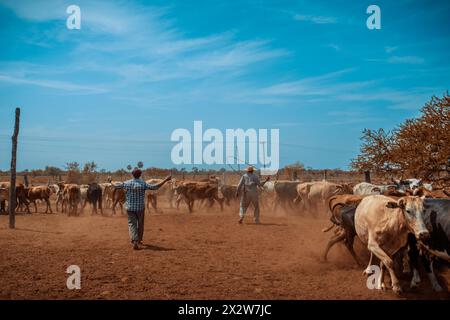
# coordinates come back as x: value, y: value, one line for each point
x: 367, y: 176
x: 12, y: 185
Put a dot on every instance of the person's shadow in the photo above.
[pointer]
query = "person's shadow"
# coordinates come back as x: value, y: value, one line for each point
x: 155, y: 248
x: 269, y: 224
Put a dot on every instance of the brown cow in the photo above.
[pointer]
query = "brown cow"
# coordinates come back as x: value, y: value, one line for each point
x: 438, y: 194
x: 4, y: 196
x: 21, y: 196
x: 40, y: 193
x: 191, y: 191
x: 71, y: 196
x: 4, y: 184
x: 314, y: 195
x: 118, y: 197
x: 167, y: 190
x: 228, y: 193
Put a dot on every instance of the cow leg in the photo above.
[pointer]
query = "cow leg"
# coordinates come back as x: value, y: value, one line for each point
x: 35, y: 206
x: 276, y: 204
x: 114, y: 207
x: 178, y: 200
x: 413, y: 255
x: 154, y: 203
x: 170, y: 199
x: 388, y: 263
x: 148, y: 204
x: 48, y: 205
x: 432, y: 277
x: 334, y: 239
x: 349, y: 245
x: 100, y: 205
x: 191, y: 205
x: 83, y: 205
x: 380, y: 282
x: 367, y: 271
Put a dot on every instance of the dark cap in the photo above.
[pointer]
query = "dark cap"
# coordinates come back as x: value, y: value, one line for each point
x: 136, y: 173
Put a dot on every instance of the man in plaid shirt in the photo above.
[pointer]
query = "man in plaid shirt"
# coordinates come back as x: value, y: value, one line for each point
x: 135, y: 204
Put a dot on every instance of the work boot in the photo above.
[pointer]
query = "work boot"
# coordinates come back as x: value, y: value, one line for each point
x: 240, y: 220
x: 135, y: 245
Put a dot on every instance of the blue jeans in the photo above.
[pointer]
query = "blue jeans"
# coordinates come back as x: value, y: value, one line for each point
x: 136, y: 225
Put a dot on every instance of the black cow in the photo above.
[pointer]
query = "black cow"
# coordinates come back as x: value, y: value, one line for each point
x: 346, y: 231
x: 437, y: 221
x: 94, y: 197
x: 228, y: 193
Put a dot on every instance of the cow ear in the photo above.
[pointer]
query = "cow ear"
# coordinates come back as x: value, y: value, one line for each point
x: 392, y: 205
x: 401, y: 203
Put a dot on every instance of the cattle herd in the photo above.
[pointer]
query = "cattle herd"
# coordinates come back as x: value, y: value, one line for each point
x: 404, y: 224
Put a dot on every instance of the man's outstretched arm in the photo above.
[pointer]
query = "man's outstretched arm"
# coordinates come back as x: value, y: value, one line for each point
x: 156, y: 186
x: 118, y: 185
x: 261, y: 185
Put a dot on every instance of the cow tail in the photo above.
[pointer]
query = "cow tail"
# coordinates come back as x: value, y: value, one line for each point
x: 328, y: 228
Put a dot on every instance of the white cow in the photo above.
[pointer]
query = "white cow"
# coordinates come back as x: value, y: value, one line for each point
x: 383, y: 225
x: 367, y: 189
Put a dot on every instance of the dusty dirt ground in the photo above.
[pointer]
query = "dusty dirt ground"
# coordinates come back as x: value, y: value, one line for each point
x: 204, y: 255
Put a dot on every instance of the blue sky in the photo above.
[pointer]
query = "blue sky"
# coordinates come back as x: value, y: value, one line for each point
x: 114, y: 91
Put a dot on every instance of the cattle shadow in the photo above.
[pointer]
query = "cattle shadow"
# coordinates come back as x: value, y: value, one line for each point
x: 268, y: 224
x: 155, y: 248
x: 38, y: 231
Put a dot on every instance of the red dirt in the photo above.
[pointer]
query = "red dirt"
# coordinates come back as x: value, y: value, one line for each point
x: 189, y: 256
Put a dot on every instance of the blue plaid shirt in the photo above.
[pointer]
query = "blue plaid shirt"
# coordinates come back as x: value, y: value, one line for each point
x: 135, y: 195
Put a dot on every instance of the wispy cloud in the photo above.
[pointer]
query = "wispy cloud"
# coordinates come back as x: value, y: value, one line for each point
x: 334, y: 46
x: 134, y: 45
x: 390, y: 49
x: 315, y: 19
x: 60, y: 85
x: 406, y: 60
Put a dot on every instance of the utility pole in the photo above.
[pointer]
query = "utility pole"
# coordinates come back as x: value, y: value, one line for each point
x: 237, y: 155
x: 12, y: 183
x: 264, y: 154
